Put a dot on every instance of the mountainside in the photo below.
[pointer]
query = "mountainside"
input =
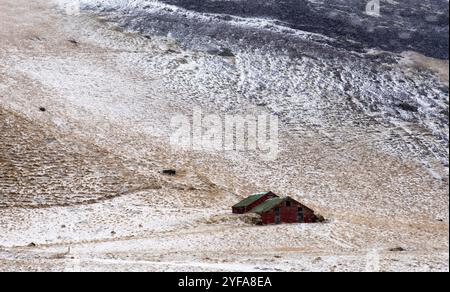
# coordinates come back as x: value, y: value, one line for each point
x: 331, y: 67
x: 88, y: 102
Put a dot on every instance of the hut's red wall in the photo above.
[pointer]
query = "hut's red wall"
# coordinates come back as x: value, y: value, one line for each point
x: 309, y: 216
x: 288, y: 214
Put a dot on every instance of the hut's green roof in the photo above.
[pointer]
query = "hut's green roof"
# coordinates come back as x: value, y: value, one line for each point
x: 251, y: 199
x: 268, y: 205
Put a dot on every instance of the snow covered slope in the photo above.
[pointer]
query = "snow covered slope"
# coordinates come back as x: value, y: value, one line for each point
x: 363, y: 138
x: 314, y: 63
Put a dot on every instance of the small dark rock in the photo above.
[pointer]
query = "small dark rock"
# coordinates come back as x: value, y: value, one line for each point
x: 226, y: 53
x: 169, y: 171
x: 42, y: 109
x: 50, y: 140
x: 408, y: 107
x: 32, y: 244
x: 36, y: 38
x: 444, y: 89
x: 317, y: 259
x: 397, y: 249
x: 73, y: 42
x: 213, y: 51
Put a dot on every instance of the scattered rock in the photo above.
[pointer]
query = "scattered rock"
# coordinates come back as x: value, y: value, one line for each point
x: 444, y: 89
x: 317, y: 259
x: 408, y: 107
x: 169, y: 171
x: 262, y: 269
x: 50, y: 140
x: 222, y: 52
x: 261, y: 103
x: 226, y: 53
x: 113, y: 233
x: 117, y: 28
x: 42, y: 109
x: 32, y: 244
x: 36, y: 38
x: 190, y: 188
x: 397, y: 249
x: 63, y: 226
x: 73, y: 42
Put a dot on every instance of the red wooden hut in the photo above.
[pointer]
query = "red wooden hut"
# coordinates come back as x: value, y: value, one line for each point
x: 251, y: 202
x: 284, y: 210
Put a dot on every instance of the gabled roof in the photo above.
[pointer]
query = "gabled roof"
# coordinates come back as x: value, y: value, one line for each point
x: 250, y: 200
x: 268, y: 205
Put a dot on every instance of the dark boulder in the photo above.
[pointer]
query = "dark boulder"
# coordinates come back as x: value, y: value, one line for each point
x: 397, y: 249
x: 408, y: 107
x: 226, y: 53
x: 169, y: 171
